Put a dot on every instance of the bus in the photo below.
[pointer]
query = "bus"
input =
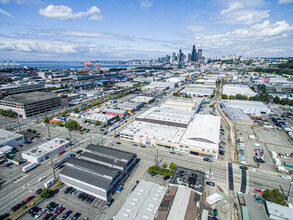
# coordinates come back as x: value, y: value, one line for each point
x: 62, y: 161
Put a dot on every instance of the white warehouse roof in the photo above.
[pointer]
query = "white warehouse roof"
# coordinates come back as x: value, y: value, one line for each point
x: 251, y: 107
x: 203, y: 132
x: 143, y: 202
x: 233, y: 89
x: 6, y: 136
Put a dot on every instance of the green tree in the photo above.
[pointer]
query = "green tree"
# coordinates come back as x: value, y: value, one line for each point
x: 251, y: 99
x: 29, y: 130
x: 172, y: 166
x: 243, y: 97
x: 59, y: 123
x: 75, y: 110
x: 231, y: 96
x: 34, y: 131
x: 64, y: 113
x: 45, y: 193
x: 238, y: 96
x: 46, y: 120
x: 97, y: 122
x: 164, y: 165
x: 284, y: 101
x: 275, y: 196
x: 276, y: 99
x: 224, y: 96
x: 72, y: 124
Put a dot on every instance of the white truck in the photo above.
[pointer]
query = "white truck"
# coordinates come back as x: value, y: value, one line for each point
x: 49, y: 183
x: 29, y: 167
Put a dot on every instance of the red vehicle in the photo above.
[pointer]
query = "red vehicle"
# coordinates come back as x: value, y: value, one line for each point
x: 19, y: 145
x: 59, y: 211
x: 61, y: 152
x: 29, y: 199
x: 258, y: 190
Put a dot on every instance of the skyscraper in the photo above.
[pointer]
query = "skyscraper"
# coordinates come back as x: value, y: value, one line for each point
x: 199, y: 54
x: 188, y: 57
x: 180, y: 56
x: 193, y: 54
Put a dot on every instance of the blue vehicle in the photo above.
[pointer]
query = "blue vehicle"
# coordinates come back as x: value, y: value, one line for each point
x: 66, y: 215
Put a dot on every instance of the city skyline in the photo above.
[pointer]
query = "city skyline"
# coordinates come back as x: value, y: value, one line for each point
x: 145, y: 29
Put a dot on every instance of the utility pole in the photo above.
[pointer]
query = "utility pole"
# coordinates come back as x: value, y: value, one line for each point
x: 157, y: 158
x: 49, y: 131
x: 18, y: 123
x: 53, y: 168
x: 291, y: 182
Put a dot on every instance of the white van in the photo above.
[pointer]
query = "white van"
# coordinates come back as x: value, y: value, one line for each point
x: 244, y: 162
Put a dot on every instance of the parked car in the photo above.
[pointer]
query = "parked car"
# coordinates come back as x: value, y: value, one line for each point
x: 172, y: 152
x: 4, y: 216
x: 29, y: 199
x: 61, y: 152
x: 40, y: 213
x: 142, y: 146
x: 135, y: 145
x: 65, y: 216
x: 166, y: 177
x: 258, y: 190
x: 118, y: 143
x: 76, y: 216
x: 210, y: 183
x: 39, y: 191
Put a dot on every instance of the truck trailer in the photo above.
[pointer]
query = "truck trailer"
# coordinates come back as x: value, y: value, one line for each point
x: 29, y: 167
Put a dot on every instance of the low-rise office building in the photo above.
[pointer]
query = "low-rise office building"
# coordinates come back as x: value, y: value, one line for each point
x: 32, y: 104
x: 45, y: 150
x: 143, y: 202
x: 10, y: 138
x: 98, y: 171
x: 103, y: 118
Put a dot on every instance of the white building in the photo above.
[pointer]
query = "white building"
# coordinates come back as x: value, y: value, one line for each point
x: 143, y: 99
x: 197, y: 90
x: 185, y: 132
x: 234, y: 89
x: 103, y: 118
x: 184, y: 104
x: 249, y: 107
x: 10, y: 138
x: 45, y: 150
x: 143, y: 202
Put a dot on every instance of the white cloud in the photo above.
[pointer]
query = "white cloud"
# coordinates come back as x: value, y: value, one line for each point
x: 245, y: 12
x: 5, y: 13
x: 62, y: 12
x: 145, y: 4
x: 194, y: 28
x: 4, y: 2
x: 89, y: 34
x: 232, y: 7
x: 20, y: 2
x: 285, y: 1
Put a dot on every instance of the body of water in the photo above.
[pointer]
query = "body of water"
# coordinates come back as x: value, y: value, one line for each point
x: 63, y: 64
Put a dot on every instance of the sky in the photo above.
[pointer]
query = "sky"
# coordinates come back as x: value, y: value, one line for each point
x: 66, y: 30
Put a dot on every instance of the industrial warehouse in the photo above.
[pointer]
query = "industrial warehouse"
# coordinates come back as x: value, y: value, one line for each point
x: 10, y: 138
x: 176, y: 129
x: 98, y: 171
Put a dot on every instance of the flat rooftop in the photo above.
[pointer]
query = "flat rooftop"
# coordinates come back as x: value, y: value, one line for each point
x: 99, y: 117
x: 177, y: 103
x: 187, y: 177
x: 86, y: 177
x: 7, y: 136
x: 45, y: 148
x: 201, y: 91
x: 143, y: 202
x: 166, y: 115
x: 203, y: 131
x: 233, y: 89
x: 163, y: 133
x: 92, y: 167
x: 117, y: 111
x: 103, y: 159
x: 29, y: 98
x: 239, y: 114
x: 110, y: 152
